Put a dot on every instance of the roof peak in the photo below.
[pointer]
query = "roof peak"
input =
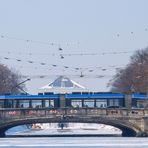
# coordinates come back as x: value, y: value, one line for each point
x: 63, y: 84
x: 63, y: 81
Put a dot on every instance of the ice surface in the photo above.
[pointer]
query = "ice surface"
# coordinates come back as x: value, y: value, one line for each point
x: 72, y: 142
x: 75, y: 142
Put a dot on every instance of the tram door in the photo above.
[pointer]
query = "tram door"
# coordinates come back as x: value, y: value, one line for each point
x: 62, y: 100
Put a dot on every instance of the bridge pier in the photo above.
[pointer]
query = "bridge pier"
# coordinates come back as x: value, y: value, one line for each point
x: 129, y: 133
x: 144, y: 127
x: 2, y: 134
x: 142, y: 134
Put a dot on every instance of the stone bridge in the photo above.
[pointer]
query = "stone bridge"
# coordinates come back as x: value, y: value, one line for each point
x: 130, y: 122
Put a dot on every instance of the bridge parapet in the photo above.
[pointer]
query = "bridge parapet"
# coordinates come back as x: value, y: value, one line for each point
x: 10, y: 114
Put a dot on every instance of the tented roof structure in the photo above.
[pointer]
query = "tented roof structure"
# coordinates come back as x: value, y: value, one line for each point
x: 62, y: 85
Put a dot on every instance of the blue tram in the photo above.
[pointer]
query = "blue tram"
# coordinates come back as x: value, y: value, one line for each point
x: 87, y: 99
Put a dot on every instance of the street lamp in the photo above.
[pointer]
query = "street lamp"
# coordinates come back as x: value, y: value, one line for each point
x: 16, y: 86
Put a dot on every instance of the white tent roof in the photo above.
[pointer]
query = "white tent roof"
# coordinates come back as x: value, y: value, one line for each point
x: 63, y: 85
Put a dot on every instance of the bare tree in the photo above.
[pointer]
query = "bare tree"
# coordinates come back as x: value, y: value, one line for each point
x: 134, y: 77
x: 9, y: 80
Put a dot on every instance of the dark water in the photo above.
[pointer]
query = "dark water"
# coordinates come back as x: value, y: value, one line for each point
x: 74, y: 142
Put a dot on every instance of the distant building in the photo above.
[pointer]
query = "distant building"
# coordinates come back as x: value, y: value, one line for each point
x: 62, y: 85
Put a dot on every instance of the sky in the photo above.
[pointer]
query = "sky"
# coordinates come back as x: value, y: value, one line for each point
x: 34, y: 30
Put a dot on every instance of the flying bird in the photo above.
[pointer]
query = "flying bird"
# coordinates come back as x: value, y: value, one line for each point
x: 60, y: 49
x: 104, y: 69
x: 6, y: 58
x: 90, y: 70
x: 62, y: 57
x: 18, y: 60
x: 30, y: 61
x: 42, y: 63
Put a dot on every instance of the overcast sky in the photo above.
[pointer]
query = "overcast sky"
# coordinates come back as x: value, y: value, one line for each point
x: 78, y: 27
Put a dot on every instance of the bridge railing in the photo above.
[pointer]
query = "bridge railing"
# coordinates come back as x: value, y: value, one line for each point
x: 11, y: 114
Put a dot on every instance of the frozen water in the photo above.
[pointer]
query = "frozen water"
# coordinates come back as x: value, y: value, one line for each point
x: 74, y: 142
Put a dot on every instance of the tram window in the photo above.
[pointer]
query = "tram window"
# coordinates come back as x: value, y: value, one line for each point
x: 1, y: 103
x: 51, y: 103
x: 10, y: 103
x: 48, y: 93
x: 88, y: 103
x: 47, y: 103
x: 111, y: 102
x: 114, y: 102
x: 101, y: 103
x: 36, y: 103
x: 85, y: 92
x: 76, y: 92
x: 141, y: 103
x: 24, y: 103
x: 76, y: 103
x: 15, y: 104
x: 40, y: 93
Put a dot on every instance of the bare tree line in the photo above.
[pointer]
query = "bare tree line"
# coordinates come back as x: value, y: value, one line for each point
x: 134, y: 77
x: 9, y: 80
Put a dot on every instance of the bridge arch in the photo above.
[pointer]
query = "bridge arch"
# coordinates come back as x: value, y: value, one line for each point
x: 128, y: 129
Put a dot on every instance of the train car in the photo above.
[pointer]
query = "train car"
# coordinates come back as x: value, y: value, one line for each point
x: 28, y: 101
x: 100, y: 100
x: 90, y: 99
